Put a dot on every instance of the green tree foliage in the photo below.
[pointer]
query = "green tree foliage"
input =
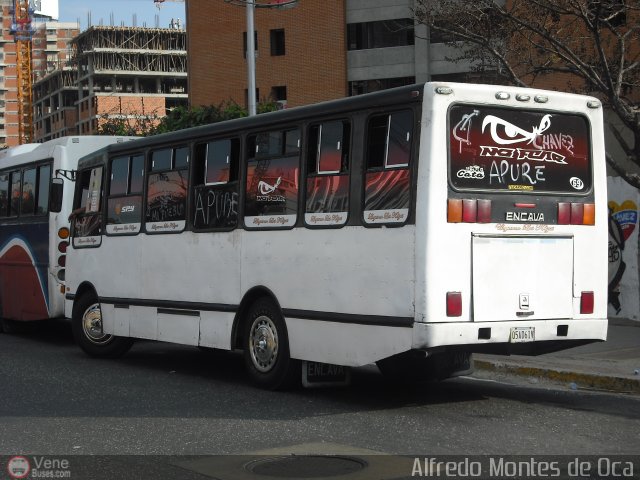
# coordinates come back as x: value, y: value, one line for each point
x: 178, y: 118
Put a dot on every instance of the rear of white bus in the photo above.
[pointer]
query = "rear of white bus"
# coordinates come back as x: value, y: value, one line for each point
x: 511, y: 221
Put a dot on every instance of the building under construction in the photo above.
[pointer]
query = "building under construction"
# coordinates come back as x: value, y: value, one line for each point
x: 129, y: 73
x: 49, y: 41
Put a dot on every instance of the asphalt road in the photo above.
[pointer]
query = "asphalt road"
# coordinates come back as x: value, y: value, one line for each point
x: 163, y: 399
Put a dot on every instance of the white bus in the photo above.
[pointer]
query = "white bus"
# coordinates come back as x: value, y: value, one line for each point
x: 409, y: 227
x: 33, y: 237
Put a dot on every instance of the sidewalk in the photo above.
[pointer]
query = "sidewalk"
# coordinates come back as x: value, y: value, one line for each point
x: 613, y: 365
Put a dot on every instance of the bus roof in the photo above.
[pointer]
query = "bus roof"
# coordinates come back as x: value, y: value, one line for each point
x: 31, y: 152
x: 393, y: 96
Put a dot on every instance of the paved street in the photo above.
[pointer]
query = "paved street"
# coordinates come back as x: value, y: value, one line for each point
x: 163, y: 399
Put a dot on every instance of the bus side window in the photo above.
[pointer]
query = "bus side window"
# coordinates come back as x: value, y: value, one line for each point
x: 273, y: 167
x: 44, y: 182
x: 327, y: 184
x: 14, y: 207
x: 4, y: 194
x: 28, y: 197
x: 124, y: 202
x: 215, y: 193
x: 167, y: 190
x: 86, y: 219
x: 387, y: 179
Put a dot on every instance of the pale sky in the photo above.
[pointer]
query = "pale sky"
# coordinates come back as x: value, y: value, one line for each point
x: 122, y: 10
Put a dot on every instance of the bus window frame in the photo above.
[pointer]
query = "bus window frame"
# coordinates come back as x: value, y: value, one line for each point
x: 306, y: 174
x: 567, y: 194
x: 106, y: 191
x: 244, y: 172
x: 35, y: 216
x: 234, y: 185
x: 411, y: 167
x: 150, y: 171
x: 100, y: 213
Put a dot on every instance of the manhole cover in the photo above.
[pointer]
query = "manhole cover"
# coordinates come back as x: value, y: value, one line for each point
x: 306, y: 466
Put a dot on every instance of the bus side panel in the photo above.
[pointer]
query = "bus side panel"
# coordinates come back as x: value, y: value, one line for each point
x: 24, y: 263
x: 351, y: 345
x: 321, y: 277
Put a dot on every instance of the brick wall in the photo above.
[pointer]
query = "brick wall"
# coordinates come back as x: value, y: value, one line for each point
x: 313, y: 68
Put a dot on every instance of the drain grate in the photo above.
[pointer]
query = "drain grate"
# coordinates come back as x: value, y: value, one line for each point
x: 306, y: 466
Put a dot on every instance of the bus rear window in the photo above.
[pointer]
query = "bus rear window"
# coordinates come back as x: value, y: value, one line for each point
x: 499, y: 149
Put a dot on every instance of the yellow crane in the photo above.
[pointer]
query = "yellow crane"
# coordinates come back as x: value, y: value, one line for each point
x: 23, y: 33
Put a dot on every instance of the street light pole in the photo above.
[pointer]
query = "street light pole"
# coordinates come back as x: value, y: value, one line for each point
x: 251, y: 5
x: 251, y: 58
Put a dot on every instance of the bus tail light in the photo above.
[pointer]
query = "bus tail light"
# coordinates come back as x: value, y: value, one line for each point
x: 454, y: 304
x: 63, y: 233
x: 62, y: 247
x: 454, y: 210
x: 468, y: 211
x: 62, y: 260
x: 576, y: 213
x: 586, y: 302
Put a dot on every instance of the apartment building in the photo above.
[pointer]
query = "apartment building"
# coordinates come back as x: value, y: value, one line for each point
x: 315, y: 51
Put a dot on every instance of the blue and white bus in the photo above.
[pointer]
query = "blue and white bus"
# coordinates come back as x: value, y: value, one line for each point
x: 33, y: 240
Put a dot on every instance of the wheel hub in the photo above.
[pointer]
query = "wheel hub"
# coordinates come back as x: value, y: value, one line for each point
x: 92, y: 325
x: 264, y: 343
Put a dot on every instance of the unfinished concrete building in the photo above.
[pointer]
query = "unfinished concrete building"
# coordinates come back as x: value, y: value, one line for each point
x: 131, y: 73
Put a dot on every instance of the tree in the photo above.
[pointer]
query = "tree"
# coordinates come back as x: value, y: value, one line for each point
x: 591, y: 46
x: 178, y: 118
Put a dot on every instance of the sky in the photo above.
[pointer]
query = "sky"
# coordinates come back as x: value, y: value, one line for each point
x: 145, y: 11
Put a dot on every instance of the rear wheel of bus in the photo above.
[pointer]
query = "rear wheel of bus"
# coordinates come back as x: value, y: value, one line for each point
x: 88, y: 332
x: 266, y: 348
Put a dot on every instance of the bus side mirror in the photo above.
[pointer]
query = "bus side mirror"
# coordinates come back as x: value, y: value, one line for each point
x: 55, y: 195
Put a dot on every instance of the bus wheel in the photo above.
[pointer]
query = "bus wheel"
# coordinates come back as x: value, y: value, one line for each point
x: 87, y: 331
x: 266, y: 348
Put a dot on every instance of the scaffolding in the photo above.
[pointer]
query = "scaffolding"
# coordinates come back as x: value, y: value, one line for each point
x: 22, y: 31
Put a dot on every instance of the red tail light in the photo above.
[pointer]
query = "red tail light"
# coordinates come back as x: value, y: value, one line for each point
x: 62, y: 260
x: 62, y: 247
x: 576, y: 213
x: 454, y: 304
x: 586, y: 302
x: 468, y: 210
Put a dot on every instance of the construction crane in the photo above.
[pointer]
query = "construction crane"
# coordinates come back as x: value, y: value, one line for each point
x: 22, y: 32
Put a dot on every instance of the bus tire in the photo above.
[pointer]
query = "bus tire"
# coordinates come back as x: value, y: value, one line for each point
x: 266, y: 348
x: 87, y: 330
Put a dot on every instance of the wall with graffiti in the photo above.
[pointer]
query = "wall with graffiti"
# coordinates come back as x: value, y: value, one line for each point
x: 624, y: 285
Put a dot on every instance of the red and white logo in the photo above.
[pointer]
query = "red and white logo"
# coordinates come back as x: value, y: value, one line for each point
x: 18, y: 467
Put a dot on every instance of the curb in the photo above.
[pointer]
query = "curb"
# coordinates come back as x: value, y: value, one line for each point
x: 582, y: 380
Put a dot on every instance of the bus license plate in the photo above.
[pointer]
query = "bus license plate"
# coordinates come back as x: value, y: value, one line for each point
x: 315, y: 374
x: 522, y: 334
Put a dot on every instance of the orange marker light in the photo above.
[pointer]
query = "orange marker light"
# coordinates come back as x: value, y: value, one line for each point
x: 454, y: 210
x: 589, y: 214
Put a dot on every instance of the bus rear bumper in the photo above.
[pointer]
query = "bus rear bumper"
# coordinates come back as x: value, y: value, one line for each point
x: 543, y: 336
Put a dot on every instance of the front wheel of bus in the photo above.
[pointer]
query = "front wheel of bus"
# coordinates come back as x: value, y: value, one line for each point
x: 266, y: 348
x: 88, y: 333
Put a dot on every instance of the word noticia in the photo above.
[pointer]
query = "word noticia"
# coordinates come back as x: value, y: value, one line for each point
x: 525, y: 467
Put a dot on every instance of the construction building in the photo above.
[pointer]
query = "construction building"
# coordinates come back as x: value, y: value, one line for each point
x: 130, y: 73
x: 315, y: 51
x: 50, y: 48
